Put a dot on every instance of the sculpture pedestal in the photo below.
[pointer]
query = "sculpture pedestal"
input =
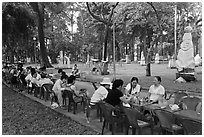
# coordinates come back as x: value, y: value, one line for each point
x: 187, y: 74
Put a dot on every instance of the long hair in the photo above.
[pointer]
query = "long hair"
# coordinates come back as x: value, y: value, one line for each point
x: 133, y: 79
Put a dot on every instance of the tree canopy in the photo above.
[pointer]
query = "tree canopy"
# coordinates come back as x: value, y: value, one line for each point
x: 82, y: 29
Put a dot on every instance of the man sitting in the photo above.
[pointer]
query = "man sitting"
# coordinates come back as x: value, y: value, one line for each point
x: 99, y: 95
x: 102, y: 92
x: 32, y: 80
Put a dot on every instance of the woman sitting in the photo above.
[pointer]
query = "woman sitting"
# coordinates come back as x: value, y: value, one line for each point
x: 75, y: 71
x: 156, y: 91
x: 133, y: 88
x: 78, y: 94
x: 132, y: 91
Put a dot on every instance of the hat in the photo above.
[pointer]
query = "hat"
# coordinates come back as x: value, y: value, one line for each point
x: 106, y: 81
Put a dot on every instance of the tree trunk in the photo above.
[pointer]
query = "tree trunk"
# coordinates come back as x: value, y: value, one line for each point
x: 148, y: 67
x: 147, y: 58
x: 105, y: 43
x: 40, y: 11
x: 105, y: 65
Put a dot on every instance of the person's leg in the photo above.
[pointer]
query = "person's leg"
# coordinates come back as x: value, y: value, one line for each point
x: 59, y: 96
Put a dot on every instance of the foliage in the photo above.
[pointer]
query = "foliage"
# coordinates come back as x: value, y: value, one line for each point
x: 145, y: 21
x: 17, y: 27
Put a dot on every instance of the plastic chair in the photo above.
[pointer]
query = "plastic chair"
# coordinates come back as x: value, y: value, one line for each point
x: 178, y: 96
x: 74, y: 101
x: 137, y: 120
x: 90, y: 107
x: 190, y: 102
x: 46, y: 91
x: 110, y: 117
x: 167, y: 122
x: 191, y: 127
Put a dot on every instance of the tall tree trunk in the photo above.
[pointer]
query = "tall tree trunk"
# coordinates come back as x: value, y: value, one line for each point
x: 148, y: 67
x: 39, y: 9
x: 105, y: 43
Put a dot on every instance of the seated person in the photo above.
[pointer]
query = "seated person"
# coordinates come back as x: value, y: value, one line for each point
x: 156, y: 91
x: 58, y: 88
x: 132, y: 91
x: 32, y: 77
x: 77, y: 93
x: 133, y: 87
x: 95, y: 68
x: 32, y: 80
x: 115, y: 94
x: 58, y: 74
x: 102, y: 92
x: 14, y: 76
x: 44, y: 80
x: 28, y: 69
x: 75, y: 71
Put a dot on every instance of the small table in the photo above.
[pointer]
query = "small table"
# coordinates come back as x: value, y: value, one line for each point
x: 189, y: 114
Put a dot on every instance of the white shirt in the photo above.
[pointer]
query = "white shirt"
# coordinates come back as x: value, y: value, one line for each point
x: 156, y: 92
x: 44, y: 81
x: 32, y: 79
x: 100, y: 94
x: 57, y: 88
x: 134, y: 90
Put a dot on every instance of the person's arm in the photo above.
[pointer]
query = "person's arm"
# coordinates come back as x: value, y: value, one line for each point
x: 75, y: 90
x: 162, y: 92
x: 149, y: 93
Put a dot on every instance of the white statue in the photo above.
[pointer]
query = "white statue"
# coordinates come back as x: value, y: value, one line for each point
x: 185, y: 58
x: 142, y: 62
x: 157, y: 58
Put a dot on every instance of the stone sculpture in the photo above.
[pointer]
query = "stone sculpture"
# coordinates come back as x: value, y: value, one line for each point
x: 185, y: 59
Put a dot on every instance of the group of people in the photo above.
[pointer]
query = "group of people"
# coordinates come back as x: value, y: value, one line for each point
x: 116, y: 95
x: 31, y: 78
x: 112, y: 92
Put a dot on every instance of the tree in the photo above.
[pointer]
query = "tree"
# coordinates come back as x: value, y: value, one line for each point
x: 39, y: 9
x: 17, y: 28
x: 105, y: 12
